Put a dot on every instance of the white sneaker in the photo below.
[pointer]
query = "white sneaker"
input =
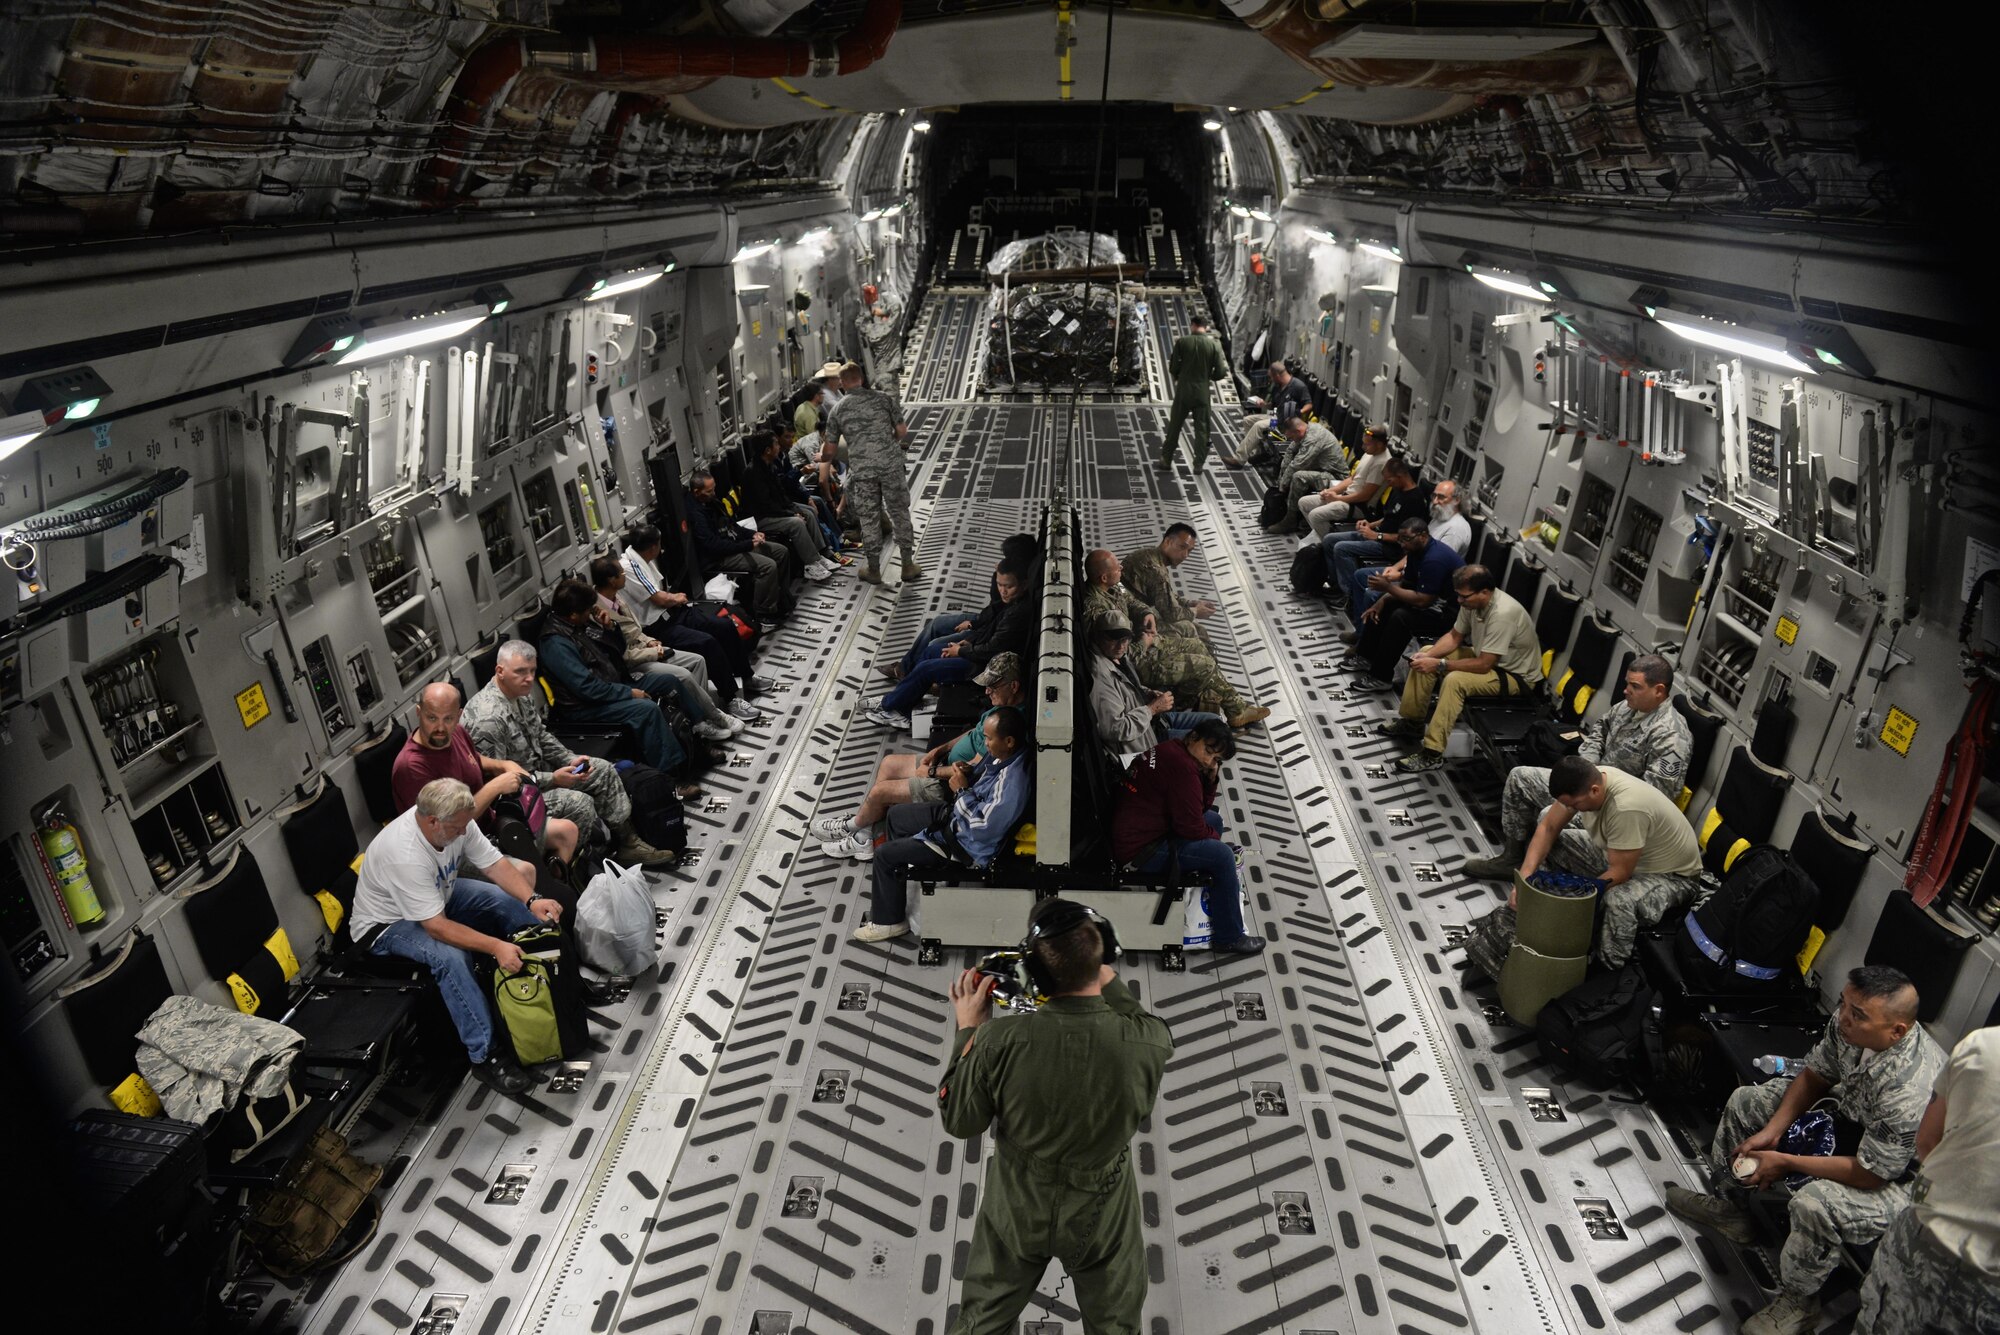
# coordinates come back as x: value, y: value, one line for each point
x: 856, y: 844
x: 743, y: 710
x: 731, y: 722
x: 824, y: 566
x: 815, y: 575
x: 713, y: 732
x: 889, y: 720
x: 880, y: 931
x: 830, y: 828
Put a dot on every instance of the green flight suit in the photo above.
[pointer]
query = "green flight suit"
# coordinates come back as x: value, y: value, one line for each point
x: 1064, y: 1089
x: 1195, y: 362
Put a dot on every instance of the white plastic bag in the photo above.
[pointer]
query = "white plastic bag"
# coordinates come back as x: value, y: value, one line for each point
x: 719, y: 589
x: 614, y: 924
x: 1195, y: 930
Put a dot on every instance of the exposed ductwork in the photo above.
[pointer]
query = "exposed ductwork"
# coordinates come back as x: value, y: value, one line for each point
x: 653, y: 66
x: 1292, y: 28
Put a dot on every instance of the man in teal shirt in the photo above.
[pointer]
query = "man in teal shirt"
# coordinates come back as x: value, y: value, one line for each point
x: 1195, y: 363
x: 921, y: 778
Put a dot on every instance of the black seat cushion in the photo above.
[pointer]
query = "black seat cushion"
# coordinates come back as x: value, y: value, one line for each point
x: 108, y: 1012
x: 373, y: 764
x: 1704, y: 726
x: 1745, y: 810
x: 1589, y: 664
x: 1523, y: 582
x: 1907, y: 937
x: 233, y: 918
x: 1836, y: 864
x: 319, y: 837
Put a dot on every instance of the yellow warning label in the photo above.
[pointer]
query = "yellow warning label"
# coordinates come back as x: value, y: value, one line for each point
x: 1898, y: 731
x: 756, y: 329
x: 252, y: 706
x: 1787, y: 630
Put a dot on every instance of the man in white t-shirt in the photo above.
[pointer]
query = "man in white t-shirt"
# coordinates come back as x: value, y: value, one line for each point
x: 412, y: 902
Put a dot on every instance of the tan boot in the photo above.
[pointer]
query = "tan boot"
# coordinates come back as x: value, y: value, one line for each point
x: 632, y: 850
x: 870, y: 575
x: 911, y: 570
x: 1718, y: 1216
x: 1789, y: 1314
x: 1254, y: 714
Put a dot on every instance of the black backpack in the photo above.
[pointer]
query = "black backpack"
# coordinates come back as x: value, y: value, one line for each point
x: 1309, y: 571
x: 1760, y: 915
x: 1598, y: 1027
x: 1273, y: 508
x: 657, y: 813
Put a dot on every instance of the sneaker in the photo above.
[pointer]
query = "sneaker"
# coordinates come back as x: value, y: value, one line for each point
x: 1350, y: 637
x: 889, y: 720
x: 1242, y: 945
x: 1401, y: 727
x: 713, y: 732
x: 816, y: 574
x: 634, y: 851
x: 856, y: 844
x: 731, y: 722
x: 830, y: 828
x: 760, y: 684
x: 768, y: 625
x: 880, y: 931
x: 1788, y: 1314
x: 501, y: 1074
x: 1368, y: 681
x: 1420, y: 761
x: 1353, y: 663
x: 1723, y: 1218
x: 742, y: 710
x: 911, y: 570
x: 841, y: 560
x: 850, y: 543
x: 687, y: 792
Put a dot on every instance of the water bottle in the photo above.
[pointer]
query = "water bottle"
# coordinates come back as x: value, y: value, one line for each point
x: 1772, y: 1064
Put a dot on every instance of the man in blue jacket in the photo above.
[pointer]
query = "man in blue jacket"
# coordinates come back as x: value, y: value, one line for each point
x: 588, y: 687
x: 724, y: 545
x: 992, y: 797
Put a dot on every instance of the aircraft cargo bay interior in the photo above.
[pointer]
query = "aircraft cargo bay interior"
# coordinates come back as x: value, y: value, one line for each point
x: 1008, y: 667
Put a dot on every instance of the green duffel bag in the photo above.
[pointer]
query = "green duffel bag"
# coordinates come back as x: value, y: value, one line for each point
x: 527, y: 1003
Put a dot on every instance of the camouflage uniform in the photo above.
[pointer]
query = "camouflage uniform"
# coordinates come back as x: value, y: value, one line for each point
x: 1177, y: 663
x: 1917, y: 1287
x: 1887, y: 1097
x: 1150, y: 579
x: 518, y: 730
x: 865, y: 423
x: 1309, y: 465
x: 1653, y: 747
x: 201, y: 1059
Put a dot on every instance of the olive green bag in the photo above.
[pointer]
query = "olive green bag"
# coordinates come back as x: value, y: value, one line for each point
x: 319, y: 1212
x: 527, y: 1003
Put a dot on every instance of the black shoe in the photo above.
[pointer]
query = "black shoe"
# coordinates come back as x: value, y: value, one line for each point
x: 1243, y: 945
x: 503, y: 1075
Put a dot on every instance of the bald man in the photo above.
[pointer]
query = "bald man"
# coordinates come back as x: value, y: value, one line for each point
x: 439, y: 749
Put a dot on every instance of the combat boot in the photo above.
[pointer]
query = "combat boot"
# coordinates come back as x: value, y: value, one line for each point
x: 1501, y: 866
x: 870, y: 575
x: 632, y: 850
x: 911, y: 570
x: 1718, y: 1216
x: 1254, y: 714
x: 1789, y: 1315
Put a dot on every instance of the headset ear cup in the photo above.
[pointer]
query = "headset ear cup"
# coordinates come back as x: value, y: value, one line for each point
x: 1032, y: 962
x: 1106, y: 933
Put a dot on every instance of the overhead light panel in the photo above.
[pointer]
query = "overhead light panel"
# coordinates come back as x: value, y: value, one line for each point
x: 1734, y: 339
x: 1381, y: 250
x: 70, y: 395
x: 323, y: 336
x: 921, y: 127
x: 815, y: 233
x: 750, y: 251
x: 871, y: 215
x: 1513, y: 284
x: 1322, y: 234
x: 1211, y: 124
x: 495, y: 298
x: 607, y: 285
x: 1380, y: 289
x: 1239, y: 210
x: 401, y: 335
x: 18, y: 430
x: 1260, y: 215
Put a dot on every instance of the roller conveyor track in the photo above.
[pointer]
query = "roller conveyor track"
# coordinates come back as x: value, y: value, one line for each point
x: 754, y: 1149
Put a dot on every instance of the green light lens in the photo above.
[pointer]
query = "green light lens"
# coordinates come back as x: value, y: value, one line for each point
x: 80, y: 409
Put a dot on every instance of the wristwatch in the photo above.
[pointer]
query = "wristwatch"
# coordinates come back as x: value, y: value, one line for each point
x: 534, y: 896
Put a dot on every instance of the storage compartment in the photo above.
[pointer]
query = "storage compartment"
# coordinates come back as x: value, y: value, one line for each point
x: 506, y: 556
x: 545, y: 522
x: 1632, y: 553
x: 1592, y: 517
x: 187, y: 824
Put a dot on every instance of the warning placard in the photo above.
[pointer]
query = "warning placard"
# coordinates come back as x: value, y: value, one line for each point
x: 1787, y: 631
x: 252, y: 706
x: 1898, y: 731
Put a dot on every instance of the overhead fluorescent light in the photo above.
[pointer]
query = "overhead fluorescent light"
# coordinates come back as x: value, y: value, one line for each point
x: 400, y: 335
x: 871, y: 215
x: 1513, y: 284
x: 1211, y: 124
x: 1260, y: 215
x: 495, y: 298
x: 1239, y: 210
x: 815, y: 233
x: 921, y: 127
x: 70, y: 395
x: 750, y: 251
x: 607, y: 286
x: 1380, y: 289
x: 1381, y: 250
x: 895, y: 208
x: 1735, y: 339
x: 18, y: 430
x: 323, y: 336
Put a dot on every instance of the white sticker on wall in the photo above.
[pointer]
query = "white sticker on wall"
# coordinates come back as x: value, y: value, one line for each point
x: 193, y: 554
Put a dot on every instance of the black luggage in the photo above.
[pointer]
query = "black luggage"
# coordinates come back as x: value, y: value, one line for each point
x: 138, y: 1190
x: 1272, y: 511
x: 555, y: 947
x: 1746, y: 937
x: 1547, y: 741
x: 1598, y: 1027
x: 1309, y: 571
x: 657, y: 813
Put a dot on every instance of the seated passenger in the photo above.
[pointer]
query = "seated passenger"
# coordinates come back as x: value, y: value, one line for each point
x: 1642, y: 735
x: 411, y: 902
x: 589, y: 687
x: 1003, y: 626
x: 725, y: 546
x: 671, y: 618
x: 1937, y: 1271
x: 1328, y: 508
x: 508, y: 718
x: 1179, y: 663
x: 1168, y: 809
x: 642, y: 654
x: 1289, y: 397
x: 1446, y: 526
x: 1879, y: 1066
x: 439, y: 748
x: 785, y: 517
x: 1411, y: 600
x: 1448, y: 522
x: 1490, y: 650
x: 1369, y: 543
x: 913, y: 778
x: 1311, y: 464
x: 1130, y: 718
x: 1148, y: 573
x: 1608, y: 825
x: 1025, y: 550
x: 992, y: 797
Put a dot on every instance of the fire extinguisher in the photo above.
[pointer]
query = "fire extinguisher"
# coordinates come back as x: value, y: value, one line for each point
x: 62, y: 857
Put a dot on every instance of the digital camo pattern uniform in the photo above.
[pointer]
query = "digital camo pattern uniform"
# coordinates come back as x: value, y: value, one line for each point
x: 1149, y: 578
x: 518, y: 730
x: 201, y: 1059
x: 1653, y: 747
x: 1309, y: 465
x: 1917, y: 1287
x: 877, y: 482
x: 1063, y: 1090
x: 1887, y: 1098
x: 1177, y: 663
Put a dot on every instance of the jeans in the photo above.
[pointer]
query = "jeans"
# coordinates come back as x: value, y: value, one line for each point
x: 1346, y: 554
x: 902, y: 854
x: 1212, y: 861
x: 484, y: 907
x: 657, y: 745
x: 932, y: 668
x: 940, y: 630
x: 694, y: 703
x: 1181, y: 722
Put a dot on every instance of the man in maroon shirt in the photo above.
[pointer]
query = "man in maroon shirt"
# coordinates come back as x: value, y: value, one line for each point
x: 440, y: 749
x: 1168, y: 808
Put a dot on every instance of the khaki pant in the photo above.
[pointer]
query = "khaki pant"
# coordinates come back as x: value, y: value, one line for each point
x: 1451, y: 689
x: 1324, y: 517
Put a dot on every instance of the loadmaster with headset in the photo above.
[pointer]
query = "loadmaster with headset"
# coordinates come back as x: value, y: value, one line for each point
x: 1063, y: 1087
